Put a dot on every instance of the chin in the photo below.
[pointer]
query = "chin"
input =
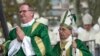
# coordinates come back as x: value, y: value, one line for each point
x: 63, y: 38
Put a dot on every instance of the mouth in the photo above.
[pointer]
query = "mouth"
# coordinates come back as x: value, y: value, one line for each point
x: 22, y: 16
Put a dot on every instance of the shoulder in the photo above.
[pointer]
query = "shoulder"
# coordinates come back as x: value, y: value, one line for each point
x: 12, y: 33
x: 40, y: 25
x: 57, y: 45
x: 80, y: 30
x: 78, y: 41
x: 12, y: 30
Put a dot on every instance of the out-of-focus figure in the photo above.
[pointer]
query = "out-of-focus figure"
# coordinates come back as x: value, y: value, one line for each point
x: 9, y: 26
x: 97, y: 38
x: 87, y: 33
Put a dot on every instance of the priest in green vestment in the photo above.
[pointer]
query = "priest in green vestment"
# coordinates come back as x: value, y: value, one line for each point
x: 69, y: 45
x: 31, y: 39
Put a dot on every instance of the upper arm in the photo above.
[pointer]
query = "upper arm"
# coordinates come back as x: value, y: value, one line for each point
x: 82, y: 47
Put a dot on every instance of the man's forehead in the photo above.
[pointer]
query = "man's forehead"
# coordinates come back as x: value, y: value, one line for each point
x: 63, y: 27
x: 87, y: 24
x: 24, y: 7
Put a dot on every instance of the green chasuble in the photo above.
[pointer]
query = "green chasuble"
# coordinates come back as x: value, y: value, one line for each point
x: 38, y: 36
x: 80, y: 45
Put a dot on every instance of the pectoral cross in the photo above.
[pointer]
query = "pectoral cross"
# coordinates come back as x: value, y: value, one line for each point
x: 63, y: 52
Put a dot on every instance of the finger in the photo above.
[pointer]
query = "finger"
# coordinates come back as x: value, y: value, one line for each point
x: 18, y: 29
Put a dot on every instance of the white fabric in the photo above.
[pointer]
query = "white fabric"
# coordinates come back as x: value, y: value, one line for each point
x: 28, y: 24
x: 43, y: 20
x: 69, y: 40
x: 2, y: 40
x: 62, y: 17
x: 96, y: 27
x: 97, y: 38
x: 26, y: 44
x: 80, y: 29
x: 87, y: 19
x: 85, y: 35
x: 36, y: 15
x: 54, y: 35
x: 84, y: 4
x: 99, y: 20
x: 9, y: 26
x: 63, y: 53
x: 76, y: 52
x: 27, y: 47
x: 14, y: 47
x: 69, y: 43
x: 67, y: 19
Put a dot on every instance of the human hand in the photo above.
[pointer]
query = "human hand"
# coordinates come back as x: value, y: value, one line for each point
x: 74, y: 45
x: 20, y: 33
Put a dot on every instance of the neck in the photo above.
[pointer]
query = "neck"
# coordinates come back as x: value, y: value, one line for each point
x: 63, y: 40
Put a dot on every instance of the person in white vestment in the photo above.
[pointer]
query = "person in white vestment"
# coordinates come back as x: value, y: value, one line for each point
x: 87, y: 33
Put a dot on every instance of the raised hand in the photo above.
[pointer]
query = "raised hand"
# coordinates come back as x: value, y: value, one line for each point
x: 20, y: 33
x: 74, y: 45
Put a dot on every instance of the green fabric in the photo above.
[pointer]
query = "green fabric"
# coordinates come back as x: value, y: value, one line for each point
x: 73, y: 15
x: 80, y: 45
x: 6, y: 44
x: 42, y: 32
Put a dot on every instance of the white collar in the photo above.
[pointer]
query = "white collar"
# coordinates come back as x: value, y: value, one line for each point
x: 68, y: 39
x: 69, y: 42
x: 28, y: 24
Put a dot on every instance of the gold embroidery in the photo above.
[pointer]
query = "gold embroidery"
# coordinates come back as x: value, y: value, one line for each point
x: 62, y: 46
x: 40, y: 45
x: 34, y: 26
x: 68, y: 52
x: 80, y: 53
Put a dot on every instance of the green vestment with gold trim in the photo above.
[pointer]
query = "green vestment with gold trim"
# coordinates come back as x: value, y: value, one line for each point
x: 41, y: 32
x: 80, y: 45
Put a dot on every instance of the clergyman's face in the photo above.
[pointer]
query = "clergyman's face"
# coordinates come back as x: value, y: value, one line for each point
x: 25, y: 13
x: 87, y: 26
x: 64, y: 32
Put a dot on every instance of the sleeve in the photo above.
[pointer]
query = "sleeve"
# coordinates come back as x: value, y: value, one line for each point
x: 82, y: 49
x: 57, y: 50
x: 14, y: 47
x: 27, y: 47
x: 5, y: 47
x: 45, y: 38
x: 8, y: 41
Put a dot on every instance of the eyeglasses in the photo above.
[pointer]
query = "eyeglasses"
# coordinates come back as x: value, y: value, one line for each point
x: 24, y: 11
x: 62, y: 29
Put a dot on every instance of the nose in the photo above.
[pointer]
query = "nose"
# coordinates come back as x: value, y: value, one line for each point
x: 60, y: 31
x: 21, y: 13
